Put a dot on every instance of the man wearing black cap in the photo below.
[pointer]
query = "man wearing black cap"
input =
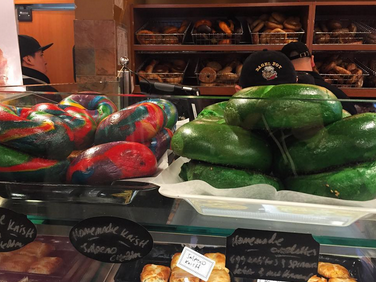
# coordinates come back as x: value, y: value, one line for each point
x: 266, y: 68
x: 34, y: 66
x: 303, y: 62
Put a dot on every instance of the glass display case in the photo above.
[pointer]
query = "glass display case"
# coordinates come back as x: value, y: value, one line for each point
x: 296, y: 164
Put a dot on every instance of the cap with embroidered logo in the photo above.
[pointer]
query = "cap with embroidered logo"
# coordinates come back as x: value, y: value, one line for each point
x: 296, y: 50
x: 267, y: 68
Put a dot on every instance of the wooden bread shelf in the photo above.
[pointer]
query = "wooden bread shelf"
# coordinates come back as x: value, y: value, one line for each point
x: 309, y: 11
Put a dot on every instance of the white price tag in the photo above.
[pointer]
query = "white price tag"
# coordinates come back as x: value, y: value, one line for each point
x: 196, y: 263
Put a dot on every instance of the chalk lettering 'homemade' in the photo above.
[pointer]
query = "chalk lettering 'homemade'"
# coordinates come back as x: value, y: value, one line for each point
x: 111, y: 239
x: 272, y: 255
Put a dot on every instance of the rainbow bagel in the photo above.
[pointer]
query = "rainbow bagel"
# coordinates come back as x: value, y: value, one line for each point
x: 41, y: 135
x: 99, y: 107
x: 136, y: 123
x: 18, y: 166
x: 79, y: 121
x: 169, y: 108
x: 112, y: 161
x: 160, y: 142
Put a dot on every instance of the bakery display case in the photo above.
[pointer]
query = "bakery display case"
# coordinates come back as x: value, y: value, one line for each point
x: 180, y: 205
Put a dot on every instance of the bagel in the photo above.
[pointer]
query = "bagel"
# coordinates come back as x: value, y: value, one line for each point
x: 105, y: 163
x: 136, y: 123
x: 170, y: 29
x: 18, y: 166
x: 79, y: 121
x: 278, y: 36
x: 204, y: 21
x: 207, y: 75
x: 272, y: 25
x: 292, y: 23
x: 334, y: 24
x: 257, y: 25
x: 40, y: 134
x: 278, y: 17
x: 97, y: 106
x: 145, y: 37
x: 225, y: 28
x: 214, y: 65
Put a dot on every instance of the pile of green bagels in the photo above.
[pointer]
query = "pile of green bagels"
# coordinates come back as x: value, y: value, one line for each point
x: 291, y: 136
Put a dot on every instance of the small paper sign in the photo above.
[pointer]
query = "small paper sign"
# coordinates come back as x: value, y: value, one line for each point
x: 278, y: 256
x: 196, y: 263
x: 16, y: 230
x: 111, y: 239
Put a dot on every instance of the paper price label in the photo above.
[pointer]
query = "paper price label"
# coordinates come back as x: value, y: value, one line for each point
x: 196, y: 263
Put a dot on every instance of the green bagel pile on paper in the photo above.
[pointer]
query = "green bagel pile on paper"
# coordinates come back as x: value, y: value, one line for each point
x: 292, y: 136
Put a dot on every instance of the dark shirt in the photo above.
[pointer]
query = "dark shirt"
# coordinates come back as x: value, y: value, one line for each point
x: 318, y: 80
x: 31, y: 77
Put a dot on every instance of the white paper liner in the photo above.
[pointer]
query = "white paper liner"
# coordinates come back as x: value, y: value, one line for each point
x: 170, y: 183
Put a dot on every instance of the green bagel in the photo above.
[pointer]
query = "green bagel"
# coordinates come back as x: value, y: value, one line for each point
x: 283, y: 106
x: 214, y: 112
x: 349, y: 140
x: 225, y: 177
x: 222, y: 144
x: 356, y: 183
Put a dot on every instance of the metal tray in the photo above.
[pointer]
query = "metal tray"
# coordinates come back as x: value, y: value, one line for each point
x: 160, y: 254
x: 68, y: 271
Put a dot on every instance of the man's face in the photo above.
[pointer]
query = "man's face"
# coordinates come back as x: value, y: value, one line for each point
x: 38, y: 62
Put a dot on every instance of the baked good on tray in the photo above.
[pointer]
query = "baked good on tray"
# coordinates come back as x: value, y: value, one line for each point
x: 155, y: 273
x: 46, y: 265
x: 332, y: 272
x: 180, y: 275
x: 219, y: 275
x: 37, y: 249
x: 220, y: 260
x: 17, y: 263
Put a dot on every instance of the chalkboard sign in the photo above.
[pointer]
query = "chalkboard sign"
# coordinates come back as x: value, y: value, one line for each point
x: 16, y: 230
x: 111, y: 239
x: 272, y: 255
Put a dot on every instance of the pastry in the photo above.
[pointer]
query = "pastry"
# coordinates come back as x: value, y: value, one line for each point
x: 155, y: 273
x: 36, y: 249
x: 224, y: 27
x: 342, y: 280
x: 220, y: 260
x: 278, y: 17
x: 174, y: 260
x: 219, y: 275
x: 272, y: 25
x: 18, y: 263
x: 316, y: 278
x: 46, y: 265
x: 331, y: 270
x: 180, y: 275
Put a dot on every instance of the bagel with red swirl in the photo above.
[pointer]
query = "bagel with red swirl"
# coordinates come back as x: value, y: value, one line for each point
x: 136, y: 123
x: 40, y: 134
x: 79, y: 121
x: 18, y: 166
x: 98, y: 106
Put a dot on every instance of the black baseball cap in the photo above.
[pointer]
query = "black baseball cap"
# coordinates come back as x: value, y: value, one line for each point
x: 29, y: 45
x: 267, y: 68
x: 296, y: 50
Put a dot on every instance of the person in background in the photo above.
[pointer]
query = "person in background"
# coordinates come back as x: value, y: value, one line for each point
x: 304, y: 63
x: 34, y: 68
x: 266, y: 68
